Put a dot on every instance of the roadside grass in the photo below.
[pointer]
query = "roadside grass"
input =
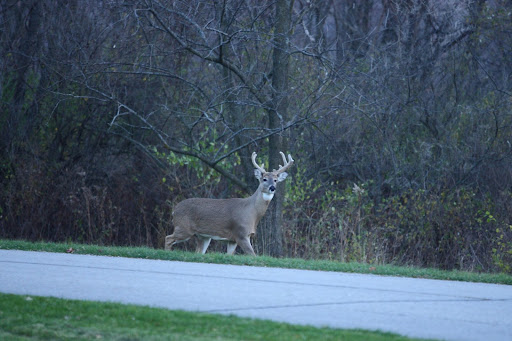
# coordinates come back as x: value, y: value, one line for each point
x: 290, y: 263
x: 43, y: 318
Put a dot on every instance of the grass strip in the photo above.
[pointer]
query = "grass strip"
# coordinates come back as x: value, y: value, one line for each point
x: 264, y: 261
x: 45, y: 318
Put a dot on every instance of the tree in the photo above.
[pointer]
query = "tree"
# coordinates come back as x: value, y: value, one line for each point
x: 270, y: 236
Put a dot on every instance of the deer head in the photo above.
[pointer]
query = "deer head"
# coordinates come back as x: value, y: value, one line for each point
x: 269, y: 180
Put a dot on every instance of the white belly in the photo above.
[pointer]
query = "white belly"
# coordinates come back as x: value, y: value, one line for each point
x: 212, y: 237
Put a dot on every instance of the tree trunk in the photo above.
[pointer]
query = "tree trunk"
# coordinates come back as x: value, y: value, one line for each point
x: 17, y: 127
x: 270, y: 234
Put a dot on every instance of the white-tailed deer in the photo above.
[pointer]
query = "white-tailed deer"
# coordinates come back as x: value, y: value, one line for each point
x: 232, y: 220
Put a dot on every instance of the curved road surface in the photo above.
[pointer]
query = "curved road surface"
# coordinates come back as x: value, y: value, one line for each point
x: 413, y: 307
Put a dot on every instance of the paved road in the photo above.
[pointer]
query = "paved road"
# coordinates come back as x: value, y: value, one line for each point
x: 412, y: 307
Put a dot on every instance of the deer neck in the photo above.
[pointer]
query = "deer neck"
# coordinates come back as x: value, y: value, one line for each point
x: 261, y: 200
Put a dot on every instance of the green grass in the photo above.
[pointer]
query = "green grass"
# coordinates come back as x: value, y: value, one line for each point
x: 218, y: 258
x: 44, y: 318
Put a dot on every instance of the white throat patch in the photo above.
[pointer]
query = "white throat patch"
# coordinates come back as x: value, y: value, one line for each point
x: 268, y: 196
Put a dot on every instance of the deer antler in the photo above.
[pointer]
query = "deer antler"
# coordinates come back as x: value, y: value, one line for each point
x: 286, y: 164
x: 253, y: 157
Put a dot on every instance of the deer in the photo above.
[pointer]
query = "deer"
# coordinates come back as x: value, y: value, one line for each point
x: 231, y: 220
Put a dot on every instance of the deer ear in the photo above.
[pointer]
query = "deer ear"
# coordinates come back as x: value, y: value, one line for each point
x: 257, y: 174
x: 282, y: 176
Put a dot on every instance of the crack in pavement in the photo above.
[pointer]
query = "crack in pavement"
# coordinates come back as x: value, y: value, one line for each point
x: 304, y: 305
x: 310, y: 305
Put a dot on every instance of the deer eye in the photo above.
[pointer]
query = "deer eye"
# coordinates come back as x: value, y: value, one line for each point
x: 264, y: 179
x: 275, y: 180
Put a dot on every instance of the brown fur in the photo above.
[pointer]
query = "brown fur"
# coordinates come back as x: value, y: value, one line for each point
x: 233, y: 220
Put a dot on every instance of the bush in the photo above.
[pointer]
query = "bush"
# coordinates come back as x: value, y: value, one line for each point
x: 458, y: 229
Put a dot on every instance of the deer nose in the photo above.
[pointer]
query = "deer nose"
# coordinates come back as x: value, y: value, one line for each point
x: 272, y: 188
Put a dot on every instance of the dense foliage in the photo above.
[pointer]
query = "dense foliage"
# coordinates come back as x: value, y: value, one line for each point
x: 398, y: 113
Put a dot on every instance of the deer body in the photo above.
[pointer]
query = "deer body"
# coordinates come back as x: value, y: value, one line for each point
x: 232, y: 220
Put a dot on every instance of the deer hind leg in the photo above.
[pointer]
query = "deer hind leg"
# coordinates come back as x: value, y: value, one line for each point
x: 231, y: 248
x: 169, y: 242
x: 202, y: 244
x: 176, y: 237
x: 245, y: 244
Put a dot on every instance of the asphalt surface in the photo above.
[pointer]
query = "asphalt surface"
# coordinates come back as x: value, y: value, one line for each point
x: 412, y: 307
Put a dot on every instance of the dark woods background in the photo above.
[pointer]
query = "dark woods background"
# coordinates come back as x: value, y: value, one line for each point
x: 398, y: 114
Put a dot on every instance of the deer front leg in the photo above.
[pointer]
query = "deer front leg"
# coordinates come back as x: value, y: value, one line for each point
x: 245, y: 244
